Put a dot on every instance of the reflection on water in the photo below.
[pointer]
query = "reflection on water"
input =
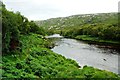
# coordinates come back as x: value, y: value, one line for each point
x: 85, y: 54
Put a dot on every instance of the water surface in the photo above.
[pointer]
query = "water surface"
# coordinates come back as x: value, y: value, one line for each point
x: 85, y: 54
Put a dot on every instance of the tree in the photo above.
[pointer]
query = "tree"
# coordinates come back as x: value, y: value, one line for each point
x: 10, y: 31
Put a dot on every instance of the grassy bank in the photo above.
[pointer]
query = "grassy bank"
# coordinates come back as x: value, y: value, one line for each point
x: 97, y: 40
x: 37, y: 61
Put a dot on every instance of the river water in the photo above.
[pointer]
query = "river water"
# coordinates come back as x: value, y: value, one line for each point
x: 87, y: 54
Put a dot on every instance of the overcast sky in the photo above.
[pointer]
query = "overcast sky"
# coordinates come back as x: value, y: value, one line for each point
x: 45, y: 9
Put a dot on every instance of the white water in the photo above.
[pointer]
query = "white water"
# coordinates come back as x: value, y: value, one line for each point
x: 54, y: 36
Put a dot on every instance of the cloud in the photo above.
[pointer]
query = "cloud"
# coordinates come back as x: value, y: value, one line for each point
x: 44, y: 9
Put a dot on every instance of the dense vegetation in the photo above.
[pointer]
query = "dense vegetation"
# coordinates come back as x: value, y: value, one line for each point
x: 26, y: 54
x: 103, y: 26
x: 36, y: 61
x: 14, y: 24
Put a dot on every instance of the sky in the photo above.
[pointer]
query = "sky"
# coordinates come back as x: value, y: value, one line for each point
x: 45, y: 9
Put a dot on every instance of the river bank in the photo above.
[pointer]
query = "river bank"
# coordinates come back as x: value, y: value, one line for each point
x: 37, y: 61
x: 96, y: 40
x: 99, y: 53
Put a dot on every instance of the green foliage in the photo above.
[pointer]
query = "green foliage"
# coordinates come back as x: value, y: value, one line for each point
x: 36, y: 61
x: 35, y: 29
x: 90, y: 38
x: 10, y: 32
x: 103, y: 25
x: 14, y: 24
x: 100, y: 30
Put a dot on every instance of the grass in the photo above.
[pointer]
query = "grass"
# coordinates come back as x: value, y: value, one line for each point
x: 37, y: 61
x: 95, y: 39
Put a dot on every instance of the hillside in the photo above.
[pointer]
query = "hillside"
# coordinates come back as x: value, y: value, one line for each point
x: 79, y: 20
x: 94, y: 27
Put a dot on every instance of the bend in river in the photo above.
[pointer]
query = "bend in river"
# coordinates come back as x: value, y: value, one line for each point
x: 85, y: 54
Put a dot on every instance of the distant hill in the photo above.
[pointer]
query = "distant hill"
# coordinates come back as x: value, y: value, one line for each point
x: 61, y: 23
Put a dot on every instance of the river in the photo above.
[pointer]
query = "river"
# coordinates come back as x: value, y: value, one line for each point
x: 87, y: 54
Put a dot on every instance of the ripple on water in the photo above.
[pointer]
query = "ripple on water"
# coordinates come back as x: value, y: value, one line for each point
x: 86, y: 54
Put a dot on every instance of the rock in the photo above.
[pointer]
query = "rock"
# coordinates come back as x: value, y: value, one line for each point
x: 104, y: 59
